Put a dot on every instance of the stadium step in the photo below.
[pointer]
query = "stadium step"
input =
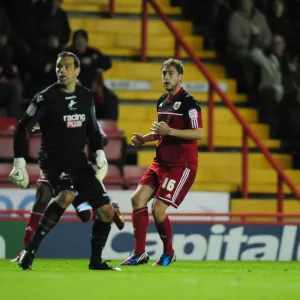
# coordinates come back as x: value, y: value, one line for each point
x: 232, y: 188
x: 145, y: 113
x: 151, y: 71
x: 128, y: 26
x: 121, y: 2
x: 216, y: 187
x: 225, y: 160
x: 234, y: 175
x: 156, y: 85
x: 151, y: 53
x: 220, y: 129
x: 120, y: 9
x: 136, y: 95
x: 226, y: 142
x: 291, y: 206
x: 164, y: 42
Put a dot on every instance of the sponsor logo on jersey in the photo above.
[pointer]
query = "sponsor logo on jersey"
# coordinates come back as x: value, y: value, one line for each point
x: 63, y: 176
x: 176, y: 105
x: 71, y: 104
x: 31, y: 109
x: 193, y: 113
x: 70, y: 97
x: 74, y: 121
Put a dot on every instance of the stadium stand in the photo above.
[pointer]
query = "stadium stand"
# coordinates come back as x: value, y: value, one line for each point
x: 121, y: 38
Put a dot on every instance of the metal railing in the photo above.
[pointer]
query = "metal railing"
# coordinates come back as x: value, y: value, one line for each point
x: 112, y: 8
x: 193, y: 218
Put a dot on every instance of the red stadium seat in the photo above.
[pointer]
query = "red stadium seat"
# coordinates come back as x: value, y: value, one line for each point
x: 113, y: 179
x: 5, y: 169
x: 34, y: 147
x: 8, y: 124
x: 33, y: 171
x: 114, y: 149
x: 110, y: 127
x: 113, y: 174
x: 133, y: 174
x: 6, y: 146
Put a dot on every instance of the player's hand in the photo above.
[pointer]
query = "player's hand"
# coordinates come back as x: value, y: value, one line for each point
x: 102, y: 165
x: 19, y: 175
x: 161, y: 128
x: 137, y: 140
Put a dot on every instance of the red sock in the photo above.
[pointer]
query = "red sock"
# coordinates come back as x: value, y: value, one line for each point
x: 164, y: 229
x: 140, y: 221
x: 31, y: 226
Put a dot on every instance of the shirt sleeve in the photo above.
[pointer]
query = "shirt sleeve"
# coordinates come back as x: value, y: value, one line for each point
x: 93, y: 131
x: 33, y: 114
x: 103, y: 134
x: 159, y: 102
x: 194, y: 114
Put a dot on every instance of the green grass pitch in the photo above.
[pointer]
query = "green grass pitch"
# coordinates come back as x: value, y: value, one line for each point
x: 71, y: 280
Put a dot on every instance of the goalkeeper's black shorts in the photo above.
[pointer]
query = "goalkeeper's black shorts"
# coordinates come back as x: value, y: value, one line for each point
x: 75, y: 177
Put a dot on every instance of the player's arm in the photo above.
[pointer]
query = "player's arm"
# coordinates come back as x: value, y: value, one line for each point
x: 185, y: 134
x: 139, y: 139
x: 32, y: 115
x: 103, y: 134
x: 96, y: 143
x: 150, y: 137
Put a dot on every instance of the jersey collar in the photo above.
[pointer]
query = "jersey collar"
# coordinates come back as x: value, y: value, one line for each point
x: 171, y: 99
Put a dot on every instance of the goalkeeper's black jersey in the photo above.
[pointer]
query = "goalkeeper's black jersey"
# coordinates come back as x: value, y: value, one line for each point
x: 67, y: 121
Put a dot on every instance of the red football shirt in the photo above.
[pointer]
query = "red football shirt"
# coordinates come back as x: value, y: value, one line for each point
x: 180, y: 112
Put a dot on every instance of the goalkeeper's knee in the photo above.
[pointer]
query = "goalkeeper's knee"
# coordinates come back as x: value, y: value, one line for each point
x: 86, y: 215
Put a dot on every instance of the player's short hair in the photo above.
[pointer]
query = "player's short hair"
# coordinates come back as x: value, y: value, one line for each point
x: 172, y: 62
x: 70, y: 54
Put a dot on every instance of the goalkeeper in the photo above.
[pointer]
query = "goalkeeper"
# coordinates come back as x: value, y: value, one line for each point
x: 66, y: 115
x: 45, y: 193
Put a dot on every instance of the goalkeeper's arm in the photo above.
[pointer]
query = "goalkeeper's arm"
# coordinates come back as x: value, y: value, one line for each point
x: 19, y: 175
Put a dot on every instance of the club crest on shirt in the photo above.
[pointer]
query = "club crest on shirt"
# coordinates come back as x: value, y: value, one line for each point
x: 71, y: 104
x: 176, y: 105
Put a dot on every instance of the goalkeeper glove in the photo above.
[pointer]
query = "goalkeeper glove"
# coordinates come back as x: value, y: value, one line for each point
x: 19, y: 175
x: 102, y: 165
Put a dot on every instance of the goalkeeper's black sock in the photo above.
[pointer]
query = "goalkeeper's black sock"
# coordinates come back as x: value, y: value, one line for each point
x: 49, y: 220
x: 100, y: 232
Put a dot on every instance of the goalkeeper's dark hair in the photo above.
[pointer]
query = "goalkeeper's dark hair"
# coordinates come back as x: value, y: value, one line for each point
x: 70, y: 54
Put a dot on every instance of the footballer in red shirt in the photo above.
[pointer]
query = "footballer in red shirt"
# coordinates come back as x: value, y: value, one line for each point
x: 174, y: 168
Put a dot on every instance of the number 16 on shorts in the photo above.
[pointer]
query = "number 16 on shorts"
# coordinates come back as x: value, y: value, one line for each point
x: 175, y: 185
